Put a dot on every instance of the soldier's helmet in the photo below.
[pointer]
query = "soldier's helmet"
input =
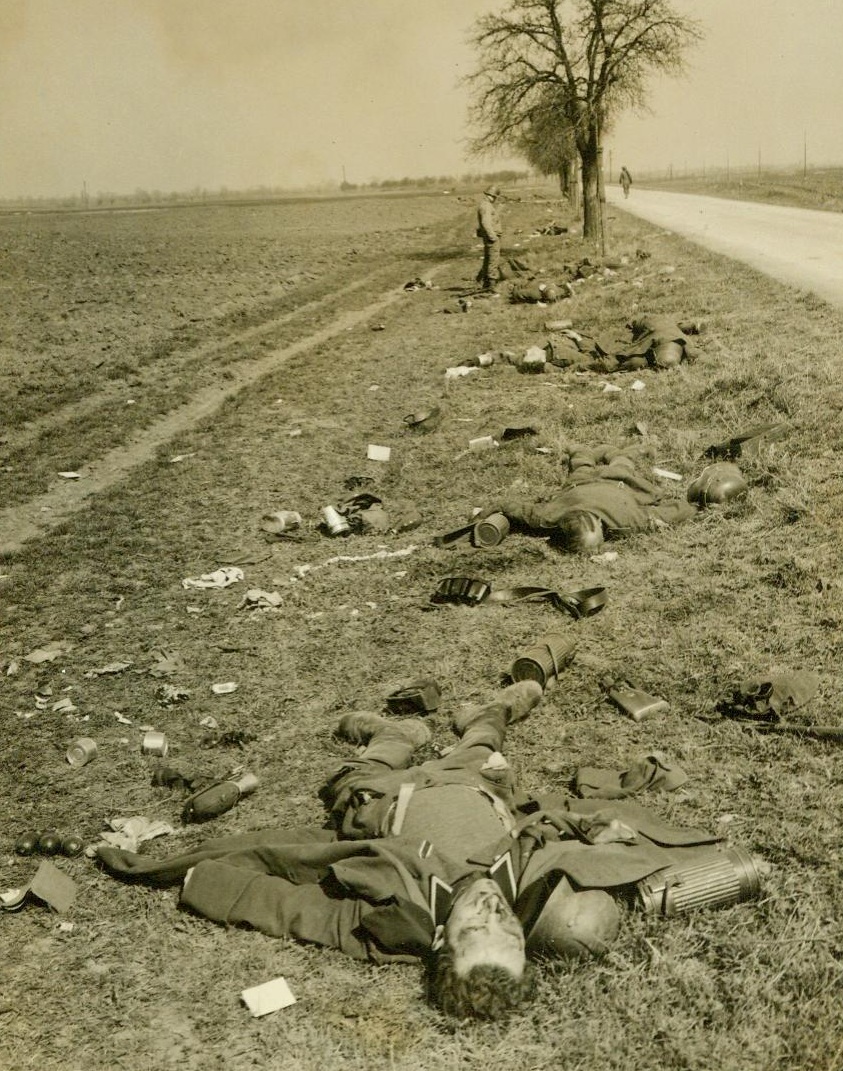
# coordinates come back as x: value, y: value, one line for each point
x: 492, y: 191
x: 576, y: 925
x: 717, y: 484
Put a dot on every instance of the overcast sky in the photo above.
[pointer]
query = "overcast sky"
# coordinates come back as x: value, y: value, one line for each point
x: 174, y: 94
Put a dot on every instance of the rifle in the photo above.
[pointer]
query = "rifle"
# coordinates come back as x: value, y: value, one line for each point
x: 813, y: 732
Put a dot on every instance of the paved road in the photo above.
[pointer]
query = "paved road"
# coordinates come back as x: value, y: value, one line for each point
x: 798, y: 246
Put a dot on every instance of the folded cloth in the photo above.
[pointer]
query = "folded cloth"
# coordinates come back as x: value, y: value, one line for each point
x: 770, y: 697
x: 651, y: 771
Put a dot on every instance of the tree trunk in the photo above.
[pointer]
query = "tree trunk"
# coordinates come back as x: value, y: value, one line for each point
x: 590, y: 190
x: 592, y: 209
x: 573, y: 184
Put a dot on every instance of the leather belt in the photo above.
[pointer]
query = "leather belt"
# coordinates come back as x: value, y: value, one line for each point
x: 472, y: 591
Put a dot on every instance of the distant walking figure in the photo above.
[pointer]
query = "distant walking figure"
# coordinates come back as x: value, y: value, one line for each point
x: 489, y: 229
x: 625, y: 181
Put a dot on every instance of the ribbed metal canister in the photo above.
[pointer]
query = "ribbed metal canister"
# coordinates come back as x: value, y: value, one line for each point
x: 720, y: 877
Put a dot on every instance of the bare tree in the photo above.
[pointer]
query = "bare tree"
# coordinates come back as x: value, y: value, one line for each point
x: 591, y: 58
x: 549, y: 145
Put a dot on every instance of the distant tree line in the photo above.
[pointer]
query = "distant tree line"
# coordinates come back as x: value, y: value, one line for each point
x: 256, y: 194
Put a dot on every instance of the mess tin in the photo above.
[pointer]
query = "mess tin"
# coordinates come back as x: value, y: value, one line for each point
x: 81, y: 751
x: 155, y: 744
x: 335, y: 523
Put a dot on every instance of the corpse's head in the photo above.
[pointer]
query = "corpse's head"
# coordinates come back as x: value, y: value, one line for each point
x: 481, y: 970
x: 579, y: 531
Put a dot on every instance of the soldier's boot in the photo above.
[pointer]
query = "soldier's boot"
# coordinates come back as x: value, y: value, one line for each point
x: 387, y: 741
x: 487, y: 725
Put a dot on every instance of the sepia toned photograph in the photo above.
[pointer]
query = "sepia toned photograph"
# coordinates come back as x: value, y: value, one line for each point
x: 421, y: 516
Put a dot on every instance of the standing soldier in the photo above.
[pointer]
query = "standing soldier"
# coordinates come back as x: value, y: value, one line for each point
x: 625, y: 181
x: 489, y: 229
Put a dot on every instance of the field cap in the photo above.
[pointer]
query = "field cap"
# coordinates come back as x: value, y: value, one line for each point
x: 492, y: 191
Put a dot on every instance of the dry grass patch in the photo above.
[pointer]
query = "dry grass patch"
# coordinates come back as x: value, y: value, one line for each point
x: 730, y: 594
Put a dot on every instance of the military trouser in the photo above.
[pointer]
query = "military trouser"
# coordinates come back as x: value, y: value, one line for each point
x: 489, y: 275
x: 361, y: 792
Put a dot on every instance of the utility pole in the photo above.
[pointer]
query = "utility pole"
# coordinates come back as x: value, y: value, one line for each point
x: 759, y: 163
x: 804, y: 154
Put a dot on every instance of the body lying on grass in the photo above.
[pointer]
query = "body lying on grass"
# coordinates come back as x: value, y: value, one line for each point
x: 441, y: 862
x: 656, y: 342
x: 603, y: 498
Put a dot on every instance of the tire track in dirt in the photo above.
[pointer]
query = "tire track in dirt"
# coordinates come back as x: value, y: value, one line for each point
x: 17, y: 438
x: 24, y: 523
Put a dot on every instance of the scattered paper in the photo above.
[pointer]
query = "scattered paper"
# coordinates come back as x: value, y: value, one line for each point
x: 458, y: 371
x: 46, y: 654
x: 112, y: 667
x: 226, y: 688
x: 611, y: 388
x: 70, y: 475
x: 378, y: 453
x: 484, y: 442
x: 666, y: 474
x: 220, y: 578
x: 638, y: 385
x: 269, y: 997
x: 166, y: 663
x: 53, y: 887
x: 129, y: 833
x: 64, y: 706
x: 257, y: 599
x: 174, y: 460
x: 170, y: 694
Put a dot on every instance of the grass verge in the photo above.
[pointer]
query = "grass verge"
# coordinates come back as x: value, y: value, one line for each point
x: 731, y: 594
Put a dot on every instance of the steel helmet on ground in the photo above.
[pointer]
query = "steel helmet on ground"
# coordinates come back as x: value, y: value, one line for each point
x: 574, y: 924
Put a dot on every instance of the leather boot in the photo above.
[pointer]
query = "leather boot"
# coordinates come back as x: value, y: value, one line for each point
x: 387, y: 741
x: 488, y: 723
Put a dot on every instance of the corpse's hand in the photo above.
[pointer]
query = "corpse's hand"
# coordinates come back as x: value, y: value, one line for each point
x: 487, y: 511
